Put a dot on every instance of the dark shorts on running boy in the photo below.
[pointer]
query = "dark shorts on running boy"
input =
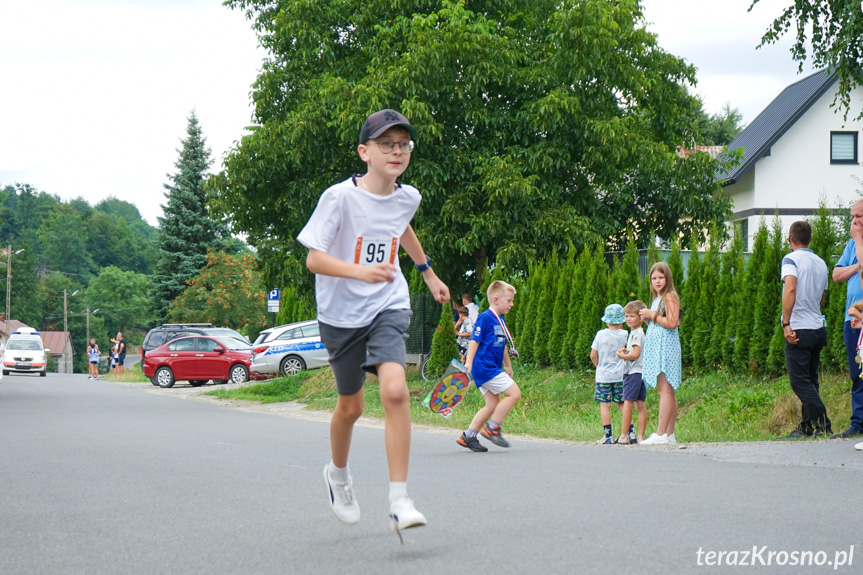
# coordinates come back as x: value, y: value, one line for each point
x: 354, y: 351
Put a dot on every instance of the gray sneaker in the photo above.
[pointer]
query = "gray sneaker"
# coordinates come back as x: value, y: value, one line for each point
x: 342, y: 499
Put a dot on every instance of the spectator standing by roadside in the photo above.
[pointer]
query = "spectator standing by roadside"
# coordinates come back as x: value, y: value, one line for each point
x: 93, y: 357
x: 847, y: 269
x: 119, y: 353
x: 472, y: 308
x: 804, y: 278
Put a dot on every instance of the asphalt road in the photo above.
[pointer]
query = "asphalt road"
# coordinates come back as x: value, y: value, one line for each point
x: 99, y: 478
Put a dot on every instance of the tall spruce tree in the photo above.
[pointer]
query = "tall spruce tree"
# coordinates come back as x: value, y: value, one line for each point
x: 733, y: 266
x: 186, y: 231
x: 568, y: 355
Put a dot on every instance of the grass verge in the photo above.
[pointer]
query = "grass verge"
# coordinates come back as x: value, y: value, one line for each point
x: 559, y: 405
x: 131, y: 373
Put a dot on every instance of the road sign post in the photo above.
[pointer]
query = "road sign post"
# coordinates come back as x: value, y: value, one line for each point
x: 273, y: 301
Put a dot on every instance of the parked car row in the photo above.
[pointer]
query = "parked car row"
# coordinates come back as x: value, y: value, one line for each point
x: 198, y: 353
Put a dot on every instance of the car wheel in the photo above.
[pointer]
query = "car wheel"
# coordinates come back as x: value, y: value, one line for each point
x: 239, y: 374
x: 43, y: 373
x: 153, y: 381
x: 292, y: 365
x: 5, y: 372
x: 164, y: 377
x: 198, y: 382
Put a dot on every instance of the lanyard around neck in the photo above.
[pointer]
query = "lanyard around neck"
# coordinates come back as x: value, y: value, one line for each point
x: 508, y: 335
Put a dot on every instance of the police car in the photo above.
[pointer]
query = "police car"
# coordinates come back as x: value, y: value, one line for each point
x: 289, y: 349
x: 25, y: 353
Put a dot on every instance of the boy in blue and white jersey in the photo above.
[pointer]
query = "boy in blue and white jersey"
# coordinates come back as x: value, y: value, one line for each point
x: 489, y: 364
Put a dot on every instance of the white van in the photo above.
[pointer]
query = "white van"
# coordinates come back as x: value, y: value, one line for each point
x: 25, y: 353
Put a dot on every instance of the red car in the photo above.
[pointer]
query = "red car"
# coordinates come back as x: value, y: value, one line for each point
x: 199, y: 359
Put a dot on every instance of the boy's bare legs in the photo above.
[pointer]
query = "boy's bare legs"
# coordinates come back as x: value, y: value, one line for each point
x: 512, y: 395
x: 605, y: 413
x: 397, y: 436
x: 397, y: 425
x: 667, y: 406
x: 484, y: 414
x: 349, y: 408
x: 497, y: 407
x: 336, y: 474
x: 642, y: 419
x: 626, y: 421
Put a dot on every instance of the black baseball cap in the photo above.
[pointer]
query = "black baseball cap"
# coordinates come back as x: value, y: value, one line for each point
x: 380, y: 122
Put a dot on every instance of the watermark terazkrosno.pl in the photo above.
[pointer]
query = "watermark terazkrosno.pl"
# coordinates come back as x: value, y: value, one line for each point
x: 765, y: 556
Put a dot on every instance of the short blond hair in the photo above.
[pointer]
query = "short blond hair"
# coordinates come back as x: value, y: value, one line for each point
x: 634, y: 306
x: 498, y: 287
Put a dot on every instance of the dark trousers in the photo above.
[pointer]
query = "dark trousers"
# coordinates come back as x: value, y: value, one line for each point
x: 802, y: 360
x: 850, y: 335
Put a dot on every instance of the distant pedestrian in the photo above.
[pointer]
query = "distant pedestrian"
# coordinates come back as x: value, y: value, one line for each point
x: 120, y: 354
x: 463, y: 333
x: 472, y: 308
x: 663, y: 365
x: 804, y: 279
x: 93, y: 356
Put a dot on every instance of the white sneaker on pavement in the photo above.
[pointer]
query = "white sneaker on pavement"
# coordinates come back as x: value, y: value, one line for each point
x: 655, y: 440
x: 404, y: 515
x: 342, y: 499
x: 859, y: 446
x: 671, y: 439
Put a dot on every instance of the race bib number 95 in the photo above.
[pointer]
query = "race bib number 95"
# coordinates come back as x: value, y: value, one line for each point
x: 375, y: 250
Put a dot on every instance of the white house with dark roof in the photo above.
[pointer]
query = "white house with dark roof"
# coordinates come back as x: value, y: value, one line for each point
x: 797, y: 150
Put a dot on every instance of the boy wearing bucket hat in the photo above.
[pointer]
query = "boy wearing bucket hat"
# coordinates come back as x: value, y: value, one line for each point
x: 609, y: 367
x: 363, y: 304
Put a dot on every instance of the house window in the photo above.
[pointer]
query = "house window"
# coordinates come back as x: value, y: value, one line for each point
x: 843, y: 147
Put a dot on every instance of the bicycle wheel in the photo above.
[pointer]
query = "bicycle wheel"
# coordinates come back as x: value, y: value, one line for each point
x: 424, y: 370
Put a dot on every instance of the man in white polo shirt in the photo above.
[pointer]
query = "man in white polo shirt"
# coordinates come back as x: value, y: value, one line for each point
x: 804, y: 278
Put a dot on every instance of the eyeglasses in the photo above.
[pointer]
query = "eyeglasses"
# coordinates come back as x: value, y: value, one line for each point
x: 387, y: 146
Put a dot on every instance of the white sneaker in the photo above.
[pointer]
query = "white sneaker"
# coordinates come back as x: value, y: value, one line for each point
x: 671, y: 439
x: 342, y: 499
x: 859, y: 446
x: 655, y: 440
x: 404, y: 515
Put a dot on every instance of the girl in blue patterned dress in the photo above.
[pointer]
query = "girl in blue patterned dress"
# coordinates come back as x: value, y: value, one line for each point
x: 662, y: 358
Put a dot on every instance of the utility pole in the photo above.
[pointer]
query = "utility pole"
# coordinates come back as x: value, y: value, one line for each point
x: 66, y: 310
x: 88, y: 322
x: 9, y: 285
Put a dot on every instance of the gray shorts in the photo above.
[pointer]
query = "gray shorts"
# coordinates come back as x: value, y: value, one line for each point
x: 354, y: 351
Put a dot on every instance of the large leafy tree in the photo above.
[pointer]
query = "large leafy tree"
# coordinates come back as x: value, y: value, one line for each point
x: 227, y: 292
x: 542, y: 124
x: 186, y: 230
x: 829, y: 34
x: 123, y: 301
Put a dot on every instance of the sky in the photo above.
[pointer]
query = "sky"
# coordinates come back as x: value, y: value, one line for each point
x: 95, y: 94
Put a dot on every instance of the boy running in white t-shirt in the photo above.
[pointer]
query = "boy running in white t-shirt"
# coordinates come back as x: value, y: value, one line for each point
x: 353, y: 238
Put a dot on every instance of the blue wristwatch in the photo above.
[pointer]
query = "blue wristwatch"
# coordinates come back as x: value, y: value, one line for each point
x: 423, y: 267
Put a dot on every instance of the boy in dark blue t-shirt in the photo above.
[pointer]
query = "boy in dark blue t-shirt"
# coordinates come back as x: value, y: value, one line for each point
x: 491, y: 369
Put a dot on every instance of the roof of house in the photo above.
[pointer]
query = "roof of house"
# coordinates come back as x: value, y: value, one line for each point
x: 760, y: 135
x: 55, y: 341
x: 14, y: 324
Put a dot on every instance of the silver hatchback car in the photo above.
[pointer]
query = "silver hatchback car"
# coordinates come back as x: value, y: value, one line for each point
x: 289, y: 349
